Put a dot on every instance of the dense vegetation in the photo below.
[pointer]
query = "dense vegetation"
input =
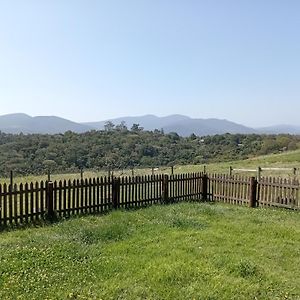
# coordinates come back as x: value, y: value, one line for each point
x: 117, y: 148
x: 182, y: 251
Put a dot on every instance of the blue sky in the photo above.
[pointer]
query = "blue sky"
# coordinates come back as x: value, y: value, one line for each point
x: 91, y: 60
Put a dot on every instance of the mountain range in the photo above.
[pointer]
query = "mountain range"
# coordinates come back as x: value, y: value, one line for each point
x: 183, y: 125
x: 17, y: 123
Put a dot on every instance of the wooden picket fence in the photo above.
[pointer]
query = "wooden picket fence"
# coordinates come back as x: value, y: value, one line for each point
x: 278, y: 192
x: 229, y: 189
x: 32, y: 202
x: 267, y: 191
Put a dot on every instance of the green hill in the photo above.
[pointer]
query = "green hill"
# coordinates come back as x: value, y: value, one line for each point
x: 120, y: 148
x: 289, y: 159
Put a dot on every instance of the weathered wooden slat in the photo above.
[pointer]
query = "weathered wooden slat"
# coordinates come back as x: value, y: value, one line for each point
x: 86, y: 196
x: 15, y: 203
x: 10, y: 204
x: 59, y: 200
x: 64, y: 198
x: 106, y: 191
x: 42, y: 198
x: 136, y: 187
x: 135, y: 190
x: 101, y: 199
x: 36, y: 201
x: 126, y: 192
x: 69, y: 198
x: 81, y: 196
x: 32, y: 212
x: 97, y: 194
x: 72, y: 195
x: 77, y: 196
x: 21, y: 201
x: 26, y: 198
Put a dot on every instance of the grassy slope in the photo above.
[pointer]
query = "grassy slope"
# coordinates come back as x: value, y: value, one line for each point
x: 183, y: 251
x: 287, y: 159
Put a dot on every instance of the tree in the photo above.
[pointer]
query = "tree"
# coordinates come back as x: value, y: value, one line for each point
x: 36, y: 153
x: 49, y: 164
x: 136, y: 128
x: 109, y: 126
x: 121, y: 127
x: 193, y: 136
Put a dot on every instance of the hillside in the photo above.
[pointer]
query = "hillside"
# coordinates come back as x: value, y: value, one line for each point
x: 183, y: 125
x: 17, y: 123
x: 180, y: 124
x: 289, y: 159
x: 279, y: 129
x: 124, y: 149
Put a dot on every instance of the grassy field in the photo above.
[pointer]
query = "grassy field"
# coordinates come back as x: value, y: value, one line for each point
x: 181, y: 251
x: 284, y: 160
x: 289, y: 159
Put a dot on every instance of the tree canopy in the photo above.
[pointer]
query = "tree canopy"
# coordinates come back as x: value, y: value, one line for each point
x: 117, y: 147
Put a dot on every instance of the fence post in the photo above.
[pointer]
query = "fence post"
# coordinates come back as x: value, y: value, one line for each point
x: 11, y: 178
x: 165, y: 189
x: 258, y: 173
x: 172, y: 170
x: 253, y: 192
x: 116, y: 192
x: 204, y: 186
x: 294, y: 171
x: 230, y: 171
x: 49, y: 201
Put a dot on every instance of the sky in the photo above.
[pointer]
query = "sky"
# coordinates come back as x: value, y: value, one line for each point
x: 91, y: 60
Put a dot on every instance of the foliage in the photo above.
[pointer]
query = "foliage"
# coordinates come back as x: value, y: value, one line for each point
x: 117, y: 147
x: 182, y: 251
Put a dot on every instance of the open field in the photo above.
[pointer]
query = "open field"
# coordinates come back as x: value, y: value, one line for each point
x: 283, y: 160
x: 182, y: 251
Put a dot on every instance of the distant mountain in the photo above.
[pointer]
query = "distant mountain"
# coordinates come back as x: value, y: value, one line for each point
x: 149, y: 122
x: 183, y: 125
x: 207, y: 127
x: 17, y: 123
x: 277, y: 129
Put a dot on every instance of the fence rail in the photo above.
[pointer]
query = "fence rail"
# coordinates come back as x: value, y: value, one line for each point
x: 30, y: 202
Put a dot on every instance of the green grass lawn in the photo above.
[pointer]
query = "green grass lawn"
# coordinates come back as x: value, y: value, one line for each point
x: 181, y: 251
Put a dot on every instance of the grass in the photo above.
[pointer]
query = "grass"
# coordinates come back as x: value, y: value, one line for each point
x: 182, y: 251
x: 290, y: 159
